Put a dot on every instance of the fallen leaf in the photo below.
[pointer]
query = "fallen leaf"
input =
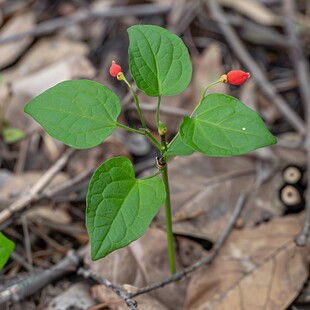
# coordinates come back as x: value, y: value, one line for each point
x: 254, y: 10
x: 76, y: 294
x: 202, y: 206
x: 46, y: 52
x: 258, y: 268
x: 17, y: 185
x: 11, y: 51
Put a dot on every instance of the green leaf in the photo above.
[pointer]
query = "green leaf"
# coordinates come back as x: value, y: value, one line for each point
x: 224, y: 126
x: 120, y: 207
x: 79, y: 113
x: 159, y: 60
x: 6, y: 248
x: 11, y: 135
x: 178, y: 148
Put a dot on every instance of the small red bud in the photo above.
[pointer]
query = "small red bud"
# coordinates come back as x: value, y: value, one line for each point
x: 115, y: 69
x: 237, y: 77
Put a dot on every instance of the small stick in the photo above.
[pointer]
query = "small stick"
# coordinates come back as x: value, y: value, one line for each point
x: 131, y: 304
x: 33, y: 193
x: 34, y: 283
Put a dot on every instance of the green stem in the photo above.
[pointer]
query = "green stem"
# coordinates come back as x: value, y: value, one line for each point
x: 169, y: 221
x: 157, y: 110
x: 153, y: 139
x: 153, y: 175
x: 135, y: 97
x: 140, y: 132
x: 168, y: 211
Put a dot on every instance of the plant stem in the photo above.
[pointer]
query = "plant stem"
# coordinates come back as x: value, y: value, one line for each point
x: 169, y: 221
x: 140, y: 132
x: 157, y: 109
x: 153, y: 140
x: 168, y: 210
x: 135, y: 97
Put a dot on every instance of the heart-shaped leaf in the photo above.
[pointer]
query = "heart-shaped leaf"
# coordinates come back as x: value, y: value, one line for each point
x: 6, y: 248
x: 178, y: 148
x: 120, y: 207
x: 159, y: 60
x: 224, y: 126
x: 79, y: 113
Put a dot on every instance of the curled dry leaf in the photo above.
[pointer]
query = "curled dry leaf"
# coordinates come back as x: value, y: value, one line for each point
x: 11, y: 51
x: 258, y: 268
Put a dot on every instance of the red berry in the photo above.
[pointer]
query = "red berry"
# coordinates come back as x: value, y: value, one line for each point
x: 115, y: 69
x: 237, y: 77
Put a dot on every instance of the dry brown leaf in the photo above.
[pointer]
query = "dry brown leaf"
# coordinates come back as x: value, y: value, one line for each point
x: 17, y: 185
x: 204, y: 192
x: 27, y: 87
x: 208, y: 68
x: 254, y: 10
x: 258, y: 268
x: 70, y: 68
x: 77, y: 294
x: 288, y: 155
x: 49, y: 213
x: 11, y: 51
x: 45, y: 52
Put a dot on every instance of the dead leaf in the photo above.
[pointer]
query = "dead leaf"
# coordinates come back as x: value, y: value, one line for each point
x: 202, y: 205
x: 27, y: 87
x: 254, y: 10
x: 45, y: 52
x: 48, y: 213
x: 288, y: 155
x: 11, y: 51
x: 258, y: 268
x: 17, y: 185
x: 208, y: 68
x: 77, y: 294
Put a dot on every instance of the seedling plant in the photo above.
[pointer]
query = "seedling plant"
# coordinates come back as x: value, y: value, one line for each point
x: 83, y: 113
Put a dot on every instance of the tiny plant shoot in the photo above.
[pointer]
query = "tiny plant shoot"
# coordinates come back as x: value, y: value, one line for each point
x: 83, y: 113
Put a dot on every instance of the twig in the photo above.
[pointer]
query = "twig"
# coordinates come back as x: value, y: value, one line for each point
x: 113, y: 12
x: 238, y: 47
x: 33, y: 193
x: 302, y: 72
x: 132, y: 304
x: 34, y: 283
